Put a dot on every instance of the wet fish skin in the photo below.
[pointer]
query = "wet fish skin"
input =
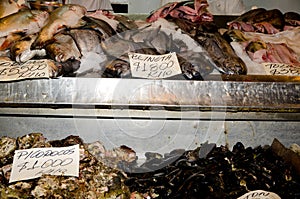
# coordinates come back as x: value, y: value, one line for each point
x: 21, y: 46
x: 292, y: 18
x: 26, y: 21
x: 101, y: 26
x: 117, y: 68
x: 222, y: 54
x: 8, y: 7
x: 64, y: 48
x: 68, y: 15
x: 234, y: 35
x: 247, y: 16
x: 261, y: 15
x: 8, y: 41
x: 87, y: 40
x: 125, y: 23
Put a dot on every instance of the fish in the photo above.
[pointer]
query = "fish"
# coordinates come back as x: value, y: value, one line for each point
x: 234, y: 35
x: 292, y: 18
x: 162, y: 12
x: 249, y: 15
x: 101, y: 26
x: 259, y: 20
x: 55, y: 68
x: 87, y: 40
x: 117, y: 68
x: 64, y: 48
x: 92, y: 57
x: 220, y: 51
x: 105, y: 16
x: 69, y: 15
x: 224, y: 57
x: 6, y: 42
x: 195, y: 65
x: 8, y: 7
x: 20, y: 51
x: 194, y: 11
x: 274, y: 17
x: 260, y: 52
x: 125, y: 23
x: 25, y: 21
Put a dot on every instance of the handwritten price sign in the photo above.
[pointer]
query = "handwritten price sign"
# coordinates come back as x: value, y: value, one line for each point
x: 154, y: 66
x: 10, y: 71
x: 33, y: 163
x: 281, y: 69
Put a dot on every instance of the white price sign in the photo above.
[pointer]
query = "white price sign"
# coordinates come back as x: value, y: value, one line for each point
x: 259, y: 194
x: 33, y: 163
x: 11, y: 71
x: 281, y: 69
x: 154, y: 66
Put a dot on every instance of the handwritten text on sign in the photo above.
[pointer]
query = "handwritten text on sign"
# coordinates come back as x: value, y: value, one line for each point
x: 33, y: 163
x: 281, y: 69
x: 10, y: 70
x: 259, y: 194
x: 154, y: 66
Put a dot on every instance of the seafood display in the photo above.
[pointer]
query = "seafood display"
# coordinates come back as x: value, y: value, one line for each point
x: 98, y: 43
x: 208, y: 171
x: 108, y: 38
x: 195, y: 20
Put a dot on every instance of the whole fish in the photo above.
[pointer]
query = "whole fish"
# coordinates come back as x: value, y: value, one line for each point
x: 8, y: 7
x: 222, y: 54
x: 64, y: 48
x: 68, y: 15
x: 26, y: 21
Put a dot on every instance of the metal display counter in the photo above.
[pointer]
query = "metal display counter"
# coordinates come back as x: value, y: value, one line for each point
x: 155, y: 115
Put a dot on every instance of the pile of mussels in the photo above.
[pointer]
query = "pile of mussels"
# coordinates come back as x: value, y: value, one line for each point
x: 209, y: 171
x: 214, y: 173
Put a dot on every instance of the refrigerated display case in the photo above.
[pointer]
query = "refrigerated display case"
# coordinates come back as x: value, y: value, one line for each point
x: 166, y: 121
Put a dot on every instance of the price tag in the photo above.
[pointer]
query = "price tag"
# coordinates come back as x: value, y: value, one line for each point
x: 154, y: 66
x: 33, y: 163
x: 11, y: 71
x: 281, y: 69
x: 259, y: 194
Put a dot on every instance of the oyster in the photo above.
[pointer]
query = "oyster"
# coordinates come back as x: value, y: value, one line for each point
x: 96, y: 180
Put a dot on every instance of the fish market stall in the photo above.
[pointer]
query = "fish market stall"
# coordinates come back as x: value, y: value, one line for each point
x: 178, y: 94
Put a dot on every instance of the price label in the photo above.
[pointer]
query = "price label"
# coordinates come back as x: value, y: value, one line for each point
x: 259, y: 194
x: 11, y: 71
x: 154, y: 66
x: 281, y: 69
x: 33, y: 163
